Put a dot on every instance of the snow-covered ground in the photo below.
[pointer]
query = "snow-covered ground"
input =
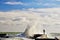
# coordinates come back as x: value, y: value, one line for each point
x: 15, y: 39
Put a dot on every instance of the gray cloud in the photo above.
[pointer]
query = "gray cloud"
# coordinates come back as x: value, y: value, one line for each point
x: 2, y: 18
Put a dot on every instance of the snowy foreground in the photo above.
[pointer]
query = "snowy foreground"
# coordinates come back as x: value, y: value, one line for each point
x: 26, y: 39
x: 15, y: 39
